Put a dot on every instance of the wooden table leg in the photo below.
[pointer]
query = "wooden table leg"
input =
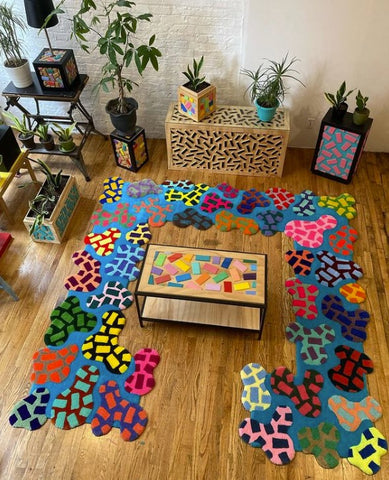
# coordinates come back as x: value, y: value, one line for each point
x: 5, y: 209
x: 27, y: 165
x: 6, y: 287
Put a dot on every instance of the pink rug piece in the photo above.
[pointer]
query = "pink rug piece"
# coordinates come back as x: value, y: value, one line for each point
x: 310, y: 233
x: 142, y: 380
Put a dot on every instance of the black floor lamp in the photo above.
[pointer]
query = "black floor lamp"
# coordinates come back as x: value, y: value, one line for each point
x: 36, y: 12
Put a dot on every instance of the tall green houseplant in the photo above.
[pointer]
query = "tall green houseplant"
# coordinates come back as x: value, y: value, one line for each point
x: 12, y: 26
x: 116, y: 28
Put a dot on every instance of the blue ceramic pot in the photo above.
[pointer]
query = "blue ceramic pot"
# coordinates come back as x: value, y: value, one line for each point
x: 266, y: 114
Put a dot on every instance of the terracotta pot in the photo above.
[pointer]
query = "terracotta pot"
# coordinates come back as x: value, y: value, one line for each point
x: 48, y: 144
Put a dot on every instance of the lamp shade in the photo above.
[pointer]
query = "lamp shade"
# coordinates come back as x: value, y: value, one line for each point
x: 37, y: 11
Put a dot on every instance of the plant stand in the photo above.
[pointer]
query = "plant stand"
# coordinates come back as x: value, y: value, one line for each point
x: 85, y: 128
x: 130, y: 151
x: 54, y: 228
x: 339, y: 147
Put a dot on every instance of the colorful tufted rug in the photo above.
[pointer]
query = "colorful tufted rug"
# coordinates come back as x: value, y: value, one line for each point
x: 83, y: 375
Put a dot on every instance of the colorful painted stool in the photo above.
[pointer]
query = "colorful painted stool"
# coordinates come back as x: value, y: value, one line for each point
x: 130, y: 151
x: 339, y: 147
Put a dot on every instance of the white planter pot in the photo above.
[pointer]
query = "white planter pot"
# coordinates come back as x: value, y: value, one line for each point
x: 20, y: 76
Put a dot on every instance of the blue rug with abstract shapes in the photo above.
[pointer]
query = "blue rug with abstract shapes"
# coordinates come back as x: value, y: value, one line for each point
x: 83, y: 374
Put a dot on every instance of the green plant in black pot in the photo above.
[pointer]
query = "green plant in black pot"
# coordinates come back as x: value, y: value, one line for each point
x: 65, y: 137
x: 193, y: 75
x: 117, y: 31
x: 26, y: 135
x: 46, y: 139
x: 361, y: 113
x: 338, y: 101
x: 267, y: 88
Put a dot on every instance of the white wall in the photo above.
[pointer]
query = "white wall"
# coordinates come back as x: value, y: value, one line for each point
x: 334, y: 40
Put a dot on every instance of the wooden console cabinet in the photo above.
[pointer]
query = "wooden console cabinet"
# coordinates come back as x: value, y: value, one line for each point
x: 231, y: 140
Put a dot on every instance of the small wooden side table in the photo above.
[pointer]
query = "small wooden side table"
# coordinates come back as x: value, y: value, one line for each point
x: 21, y: 162
x: 130, y: 151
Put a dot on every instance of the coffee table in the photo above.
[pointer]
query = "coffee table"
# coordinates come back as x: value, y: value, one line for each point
x: 202, y: 286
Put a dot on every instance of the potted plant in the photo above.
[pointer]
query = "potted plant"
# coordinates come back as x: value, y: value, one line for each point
x: 267, y: 88
x: 15, y: 63
x: 338, y: 101
x: 361, y: 113
x: 52, y: 208
x: 65, y: 137
x: 26, y: 135
x: 196, y: 98
x: 46, y: 139
x: 116, y: 30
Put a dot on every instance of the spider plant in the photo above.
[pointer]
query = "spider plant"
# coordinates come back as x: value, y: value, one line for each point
x: 267, y: 87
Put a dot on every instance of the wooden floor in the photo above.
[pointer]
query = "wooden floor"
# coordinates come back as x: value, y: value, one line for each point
x: 195, y: 409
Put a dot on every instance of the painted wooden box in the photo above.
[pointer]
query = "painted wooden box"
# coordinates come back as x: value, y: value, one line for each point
x: 56, y: 70
x: 231, y: 140
x: 197, y: 105
x: 339, y: 147
x: 53, y: 229
x: 130, y: 151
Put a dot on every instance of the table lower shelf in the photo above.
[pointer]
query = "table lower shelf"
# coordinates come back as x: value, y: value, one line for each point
x: 203, y: 313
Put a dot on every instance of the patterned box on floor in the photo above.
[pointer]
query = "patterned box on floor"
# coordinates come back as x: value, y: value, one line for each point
x: 130, y: 150
x: 57, y: 69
